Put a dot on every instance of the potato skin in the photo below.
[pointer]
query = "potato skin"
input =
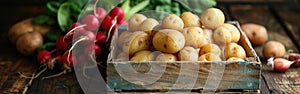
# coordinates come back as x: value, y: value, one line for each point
x: 148, y: 25
x: 124, y: 35
x: 210, y: 48
x: 234, y: 50
x: 137, y: 41
x: 209, y: 57
x: 235, y: 33
x: 212, y: 18
x: 235, y: 59
x: 172, y: 21
x: 135, y: 21
x: 222, y: 36
x: 194, y: 36
x: 143, y: 55
x: 257, y: 34
x: 190, y: 20
x: 273, y: 49
x: 166, y: 57
x: 168, y: 41
x: 188, y: 54
x: 28, y: 43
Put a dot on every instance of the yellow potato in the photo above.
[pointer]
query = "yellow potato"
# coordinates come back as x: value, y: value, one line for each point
x: 172, y: 21
x: 190, y: 20
x: 273, y: 49
x: 188, y: 54
x: 235, y: 59
x: 222, y: 36
x: 209, y: 57
x: 168, y: 41
x: 234, y: 50
x: 135, y: 21
x: 208, y: 33
x: 137, y: 41
x: 123, y: 56
x: 148, y: 25
x: 166, y: 57
x: 194, y: 36
x: 235, y: 33
x: 212, y: 18
x: 210, y: 48
x: 143, y: 55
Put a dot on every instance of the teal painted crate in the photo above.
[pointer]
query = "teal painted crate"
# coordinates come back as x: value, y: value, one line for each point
x: 183, y: 75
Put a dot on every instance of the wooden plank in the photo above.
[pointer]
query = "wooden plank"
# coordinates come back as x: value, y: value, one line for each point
x: 241, y: 76
x: 289, y: 17
x: 276, y: 82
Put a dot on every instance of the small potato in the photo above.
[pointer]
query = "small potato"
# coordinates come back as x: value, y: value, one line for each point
x: 208, y: 35
x: 172, y: 21
x: 273, y: 49
x: 212, y: 18
x: 222, y: 36
x: 137, y: 41
x: 235, y: 59
x: 188, y: 54
x: 168, y: 41
x: 122, y: 36
x: 257, y: 34
x: 148, y: 25
x: 235, y: 33
x: 210, y: 48
x: 166, y: 57
x: 190, y: 20
x: 143, y: 55
x: 209, y: 57
x: 234, y: 50
x: 135, y: 21
x: 28, y: 43
x: 194, y: 36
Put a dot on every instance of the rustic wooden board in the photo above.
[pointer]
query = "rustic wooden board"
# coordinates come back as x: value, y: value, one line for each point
x: 242, y: 75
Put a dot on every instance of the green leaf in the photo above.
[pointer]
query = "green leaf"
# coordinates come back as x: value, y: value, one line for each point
x: 161, y: 2
x: 47, y: 46
x: 197, y: 6
x: 64, y: 16
x: 53, y: 34
x: 126, y: 6
x: 78, y: 3
x: 53, y: 6
x: 136, y: 8
x: 43, y: 19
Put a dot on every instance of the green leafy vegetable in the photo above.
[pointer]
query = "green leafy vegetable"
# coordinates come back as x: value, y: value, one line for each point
x: 64, y: 16
x: 43, y: 19
x: 47, y: 46
x: 53, y: 34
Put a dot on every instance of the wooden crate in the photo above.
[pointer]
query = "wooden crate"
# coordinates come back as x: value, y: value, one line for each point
x: 209, y: 76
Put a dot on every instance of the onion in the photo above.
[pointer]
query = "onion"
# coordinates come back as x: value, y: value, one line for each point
x: 295, y: 58
x: 279, y: 64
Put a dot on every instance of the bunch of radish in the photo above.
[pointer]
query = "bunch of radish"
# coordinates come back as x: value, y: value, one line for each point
x: 282, y: 64
x: 84, y: 33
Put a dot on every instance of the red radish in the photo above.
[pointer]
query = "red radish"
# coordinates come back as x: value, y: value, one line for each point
x: 100, y: 13
x: 75, y: 27
x: 61, y: 44
x: 107, y: 23
x: 89, y: 50
x: 123, y: 22
x: 279, y: 64
x: 44, y: 56
x: 68, y: 59
x: 295, y: 58
x: 91, y: 22
x: 117, y: 12
x: 100, y: 38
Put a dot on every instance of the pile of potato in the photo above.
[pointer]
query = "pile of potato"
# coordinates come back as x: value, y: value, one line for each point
x: 187, y: 37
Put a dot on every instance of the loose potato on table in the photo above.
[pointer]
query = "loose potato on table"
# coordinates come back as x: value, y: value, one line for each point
x: 194, y: 36
x: 172, y: 21
x: 137, y: 41
x: 190, y: 20
x: 188, y: 53
x: 273, y: 49
x: 257, y: 34
x: 28, y: 43
x: 168, y: 41
x: 166, y: 57
x: 212, y: 18
x: 143, y: 55
x: 135, y: 21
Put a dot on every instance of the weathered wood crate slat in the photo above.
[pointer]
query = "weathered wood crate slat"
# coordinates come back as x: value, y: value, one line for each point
x: 185, y: 75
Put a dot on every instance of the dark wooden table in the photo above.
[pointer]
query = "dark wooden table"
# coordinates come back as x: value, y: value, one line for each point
x: 280, y: 17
